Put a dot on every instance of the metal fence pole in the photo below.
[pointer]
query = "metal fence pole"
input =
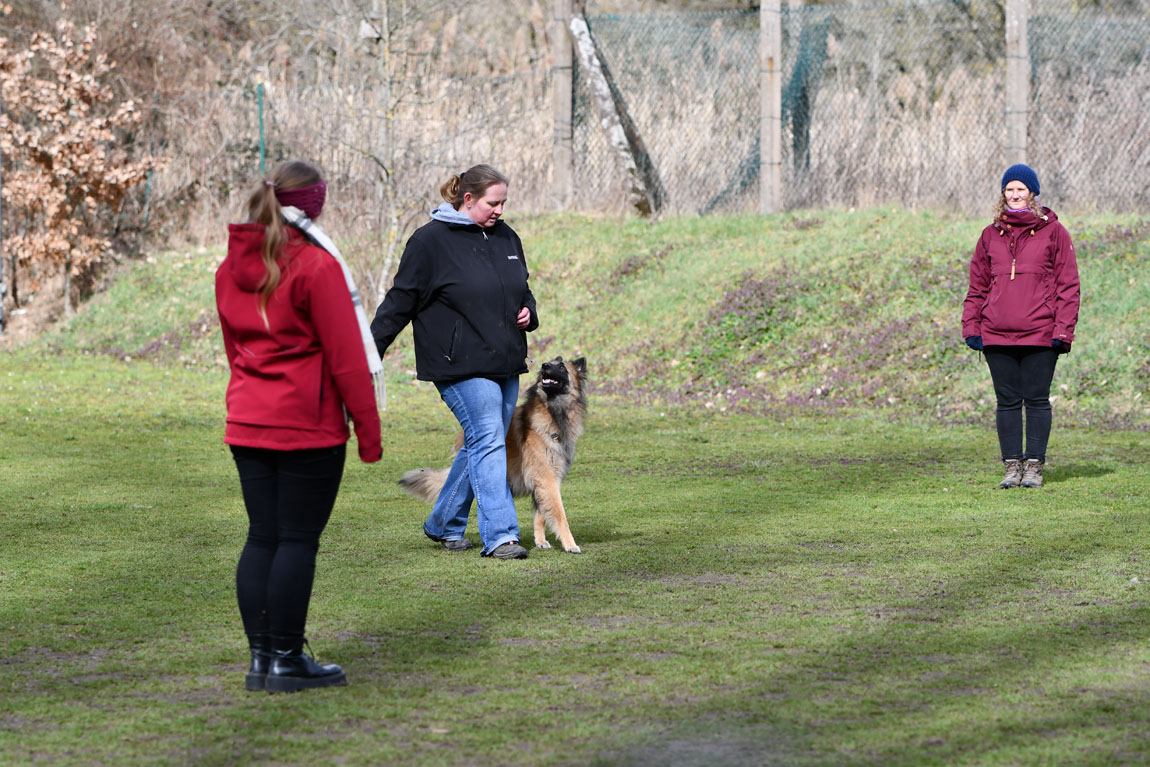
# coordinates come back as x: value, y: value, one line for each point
x: 562, y: 94
x: 1017, y: 80
x: 771, y: 99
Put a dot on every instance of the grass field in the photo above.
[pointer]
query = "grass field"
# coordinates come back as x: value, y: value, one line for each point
x: 828, y: 312
x: 761, y: 586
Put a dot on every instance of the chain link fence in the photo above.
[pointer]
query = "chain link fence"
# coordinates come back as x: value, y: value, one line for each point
x: 897, y: 103
x: 690, y: 83
x: 357, y: 133
x: 384, y: 153
x: 1090, y: 119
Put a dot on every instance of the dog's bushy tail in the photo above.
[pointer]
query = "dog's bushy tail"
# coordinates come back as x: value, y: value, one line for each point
x: 424, y: 484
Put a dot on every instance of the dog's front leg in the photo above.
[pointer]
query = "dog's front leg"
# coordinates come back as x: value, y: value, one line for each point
x: 549, y: 510
x: 540, y: 525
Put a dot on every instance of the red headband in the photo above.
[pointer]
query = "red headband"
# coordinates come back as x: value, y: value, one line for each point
x: 309, y: 199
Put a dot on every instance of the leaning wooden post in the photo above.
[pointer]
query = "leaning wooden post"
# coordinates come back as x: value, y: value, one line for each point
x: 770, y: 107
x: 562, y: 89
x: 1017, y: 81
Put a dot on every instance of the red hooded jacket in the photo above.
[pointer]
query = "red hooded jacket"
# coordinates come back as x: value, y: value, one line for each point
x: 1024, y: 288
x: 292, y: 378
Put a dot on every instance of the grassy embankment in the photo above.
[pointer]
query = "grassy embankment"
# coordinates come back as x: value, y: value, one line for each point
x: 813, y: 586
x: 832, y: 312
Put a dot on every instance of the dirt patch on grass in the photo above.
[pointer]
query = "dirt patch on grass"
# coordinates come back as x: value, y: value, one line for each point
x: 41, y: 660
x: 12, y: 722
x: 711, y: 580
x: 610, y: 621
x: 712, y: 750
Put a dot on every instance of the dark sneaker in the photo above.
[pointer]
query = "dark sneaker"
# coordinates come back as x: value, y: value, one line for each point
x: 1013, y: 476
x: 461, y: 545
x: 509, y: 550
x: 1032, y: 473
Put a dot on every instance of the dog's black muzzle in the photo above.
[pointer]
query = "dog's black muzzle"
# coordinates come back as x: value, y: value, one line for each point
x: 553, y: 376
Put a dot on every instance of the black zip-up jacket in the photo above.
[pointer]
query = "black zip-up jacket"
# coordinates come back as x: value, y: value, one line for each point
x: 461, y: 287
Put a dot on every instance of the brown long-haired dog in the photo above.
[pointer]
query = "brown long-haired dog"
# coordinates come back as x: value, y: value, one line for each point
x: 540, y: 448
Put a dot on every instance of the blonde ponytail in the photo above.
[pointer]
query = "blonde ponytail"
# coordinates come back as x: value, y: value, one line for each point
x: 264, y: 208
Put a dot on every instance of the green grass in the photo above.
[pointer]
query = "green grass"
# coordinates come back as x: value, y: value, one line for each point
x: 830, y: 311
x: 795, y: 588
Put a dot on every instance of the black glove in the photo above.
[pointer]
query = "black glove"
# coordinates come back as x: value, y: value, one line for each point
x: 1060, y: 346
x: 974, y: 342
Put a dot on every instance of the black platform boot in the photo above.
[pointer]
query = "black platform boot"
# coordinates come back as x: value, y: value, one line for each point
x: 261, y: 660
x: 292, y: 670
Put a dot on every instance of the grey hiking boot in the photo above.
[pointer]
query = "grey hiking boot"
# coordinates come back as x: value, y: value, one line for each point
x: 1013, y: 473
x: 1032, y: 473
x: 509, y: 550
x: 460, y: 545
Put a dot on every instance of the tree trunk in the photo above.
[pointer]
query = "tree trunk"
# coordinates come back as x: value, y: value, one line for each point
x: 639, y: 196
x: 68, y: 309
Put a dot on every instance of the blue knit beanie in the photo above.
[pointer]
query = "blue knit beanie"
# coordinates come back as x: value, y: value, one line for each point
x: 1023, y: 173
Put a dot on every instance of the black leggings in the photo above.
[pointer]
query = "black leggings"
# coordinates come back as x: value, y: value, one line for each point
x: 289, y: 496
x: 1022, y: 376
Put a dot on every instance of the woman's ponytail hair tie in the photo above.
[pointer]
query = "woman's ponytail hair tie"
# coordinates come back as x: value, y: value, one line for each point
x: 269, y: 183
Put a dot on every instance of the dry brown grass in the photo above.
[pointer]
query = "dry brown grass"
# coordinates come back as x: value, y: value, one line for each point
x: 384, y: 142
x: 474, y: 88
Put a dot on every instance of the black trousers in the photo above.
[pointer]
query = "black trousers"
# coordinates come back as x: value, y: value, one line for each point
x: 1022, y: 377
x: 289, y: 496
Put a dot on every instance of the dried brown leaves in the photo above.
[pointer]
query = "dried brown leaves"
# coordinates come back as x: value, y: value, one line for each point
x: 58, y: 134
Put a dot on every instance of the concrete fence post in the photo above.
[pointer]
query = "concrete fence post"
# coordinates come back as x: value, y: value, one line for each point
x: 770, y: 108
x: 562, y: 104
x: 1017, y: 80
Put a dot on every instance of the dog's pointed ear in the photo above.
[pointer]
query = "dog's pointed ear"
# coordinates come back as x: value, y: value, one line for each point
x: 580, y: 365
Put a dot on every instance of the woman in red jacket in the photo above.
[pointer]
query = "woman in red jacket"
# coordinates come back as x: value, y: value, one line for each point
x: 298, y: 369
x: 1020, y: 312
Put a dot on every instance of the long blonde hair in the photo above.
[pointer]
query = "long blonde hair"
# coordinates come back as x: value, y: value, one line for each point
x: 264, y: 208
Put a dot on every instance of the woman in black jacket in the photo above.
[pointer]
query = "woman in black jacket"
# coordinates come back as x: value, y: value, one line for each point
x: 462, y: 284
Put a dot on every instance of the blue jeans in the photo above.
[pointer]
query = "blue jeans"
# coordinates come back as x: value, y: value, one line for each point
x: 483, y: 408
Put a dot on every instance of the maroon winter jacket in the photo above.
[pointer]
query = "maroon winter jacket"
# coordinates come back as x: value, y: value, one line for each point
x: 1023, y: 282
x: 291, y: 381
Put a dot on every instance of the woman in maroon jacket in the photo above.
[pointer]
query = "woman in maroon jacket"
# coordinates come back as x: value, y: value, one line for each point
x: 1020, y: 312
x: 298, y: 369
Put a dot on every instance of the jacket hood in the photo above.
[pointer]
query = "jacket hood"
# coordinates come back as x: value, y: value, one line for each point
x: 245, y: 261
x: 449, y: 215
